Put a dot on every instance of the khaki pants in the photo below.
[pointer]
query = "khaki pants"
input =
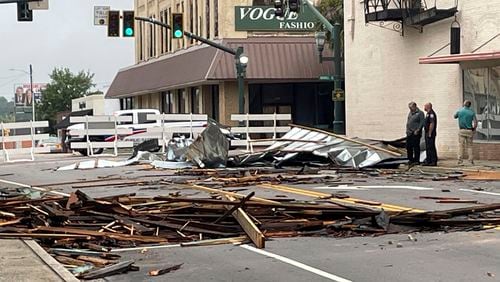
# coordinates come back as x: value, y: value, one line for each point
x: 465, y: 143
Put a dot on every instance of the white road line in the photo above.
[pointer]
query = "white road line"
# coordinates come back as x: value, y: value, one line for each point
x: 481, y: 192
x: 296, y: 264
x: 345, y: 187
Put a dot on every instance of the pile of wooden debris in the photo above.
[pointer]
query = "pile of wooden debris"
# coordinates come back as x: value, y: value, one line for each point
x: 80, y: 231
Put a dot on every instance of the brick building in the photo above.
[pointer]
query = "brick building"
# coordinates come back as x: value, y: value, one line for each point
x: 182, y: 76
x: 393, y: 55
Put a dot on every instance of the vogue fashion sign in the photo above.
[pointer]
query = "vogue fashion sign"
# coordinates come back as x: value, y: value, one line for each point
x: 262, y: 18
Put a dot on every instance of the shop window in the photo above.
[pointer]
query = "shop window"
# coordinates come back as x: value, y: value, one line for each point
x: 182, y: 101
x: 482, y: 87
x: 167, y: 102
x: 126, y: 103
x: 195, y: 100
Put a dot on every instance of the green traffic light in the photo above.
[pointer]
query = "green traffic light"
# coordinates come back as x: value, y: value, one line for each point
x: 178, y: 34
x: 129, y: 31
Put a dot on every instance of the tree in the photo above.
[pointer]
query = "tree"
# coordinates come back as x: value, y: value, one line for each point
x: 64, y: 87
x: 6, y: 110
x: 333, y: 10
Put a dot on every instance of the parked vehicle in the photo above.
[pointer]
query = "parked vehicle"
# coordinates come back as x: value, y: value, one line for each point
x: 139, y: 124
x: 53, y: 143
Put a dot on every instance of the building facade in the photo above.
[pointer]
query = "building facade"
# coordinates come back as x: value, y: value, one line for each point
x: 398, y: 53
x: 184, y: 76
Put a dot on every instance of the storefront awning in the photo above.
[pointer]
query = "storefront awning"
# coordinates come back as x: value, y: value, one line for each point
x: 468, y: 60
x: 276, y: 59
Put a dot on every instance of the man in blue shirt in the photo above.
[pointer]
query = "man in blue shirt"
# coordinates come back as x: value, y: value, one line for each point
x: 467, y: 124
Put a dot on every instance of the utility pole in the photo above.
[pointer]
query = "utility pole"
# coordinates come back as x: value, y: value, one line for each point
x: 241, y: 60
x: 32, y: 93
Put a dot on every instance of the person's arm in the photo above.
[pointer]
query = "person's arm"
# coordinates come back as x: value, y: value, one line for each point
x: 474, y: 123
x: 456, y: 115
x: 421, y: 123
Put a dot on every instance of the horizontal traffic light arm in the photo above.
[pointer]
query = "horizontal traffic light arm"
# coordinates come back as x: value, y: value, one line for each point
x: 190, y: 35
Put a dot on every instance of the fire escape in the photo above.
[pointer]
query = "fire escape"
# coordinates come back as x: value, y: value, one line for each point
x: 413, y: 13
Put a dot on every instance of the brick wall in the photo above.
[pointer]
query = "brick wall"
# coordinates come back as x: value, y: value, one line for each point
x: 487, y: 151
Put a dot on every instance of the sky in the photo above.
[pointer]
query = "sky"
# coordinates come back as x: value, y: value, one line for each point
x: 63, y: 36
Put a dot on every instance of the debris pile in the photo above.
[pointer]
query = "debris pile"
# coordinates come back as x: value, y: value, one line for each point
x: 80, y: 231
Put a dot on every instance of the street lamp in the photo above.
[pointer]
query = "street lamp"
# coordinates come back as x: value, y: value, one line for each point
x: 241, y: 66
x: 30, y: 73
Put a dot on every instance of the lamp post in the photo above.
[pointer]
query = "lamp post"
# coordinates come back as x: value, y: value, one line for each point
x: 30, y: 73
x: 241, y: 66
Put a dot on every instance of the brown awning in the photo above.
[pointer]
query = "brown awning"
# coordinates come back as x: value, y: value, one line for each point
x: 290, y: 58
x: 271, y: 58
x: 184, y: 67
x: 468, y: 60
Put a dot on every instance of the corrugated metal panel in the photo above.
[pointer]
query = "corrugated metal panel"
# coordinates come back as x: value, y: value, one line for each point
x: 184, y: 67
x: 273, y: 58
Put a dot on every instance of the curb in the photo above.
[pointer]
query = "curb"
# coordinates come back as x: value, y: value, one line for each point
x: 58, y: 269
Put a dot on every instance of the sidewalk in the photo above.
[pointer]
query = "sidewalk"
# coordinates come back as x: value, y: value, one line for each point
x: 25, y: 261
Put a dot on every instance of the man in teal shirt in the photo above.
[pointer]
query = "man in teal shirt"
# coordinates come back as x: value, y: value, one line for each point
x: 467, y: 124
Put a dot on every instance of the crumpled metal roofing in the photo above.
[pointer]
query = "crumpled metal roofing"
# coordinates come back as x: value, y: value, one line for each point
x: 340, y: 151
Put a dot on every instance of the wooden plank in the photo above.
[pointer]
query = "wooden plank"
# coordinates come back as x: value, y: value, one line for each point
x: 23, y: 138
x: 98, y: 119
x: 248, y: 226
x: 457, y: 201
x: 260, y: 129
x: 235, y: 207
x: 268, y: 117
x: 178, y: 117
x: 122, y: 237
x: 99, y: 145
x: 27, y: 124
x: 104, y: 131
x: 232, y: 194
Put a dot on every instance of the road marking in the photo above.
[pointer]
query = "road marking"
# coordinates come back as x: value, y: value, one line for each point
x: 296, y: 264
x: 340, y: 187
x: 481, y: 192
x: 316, y: 194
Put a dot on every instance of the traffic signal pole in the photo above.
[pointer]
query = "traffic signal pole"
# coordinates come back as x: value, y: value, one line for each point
x: 238, y: 56
x: 339, y: 106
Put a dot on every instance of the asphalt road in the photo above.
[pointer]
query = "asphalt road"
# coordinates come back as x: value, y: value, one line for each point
x: 460, y: 256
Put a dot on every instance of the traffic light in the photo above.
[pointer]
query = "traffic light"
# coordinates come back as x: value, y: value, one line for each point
x: 294, y: 5
x: 279, y: 5
x: 114, y: 23
x: 24, y: 14
x: 128, y: 24
x: 177, y: 25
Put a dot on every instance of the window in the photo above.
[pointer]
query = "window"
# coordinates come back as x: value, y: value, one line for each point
x: 195, y: 100
x: 167, y: 102
x: 126, y: 122
x: 207, y: 18
x: 216, y: 18
x: 191, y: 19
x: 182, y: 101
x: 140, y: 41
x: 169, y: 39
x: 151, y: 41
x: 262, y: 2
x: 482, y: 87
x: 126, y: 103
x: 142, y: 118
x: 162, y: 33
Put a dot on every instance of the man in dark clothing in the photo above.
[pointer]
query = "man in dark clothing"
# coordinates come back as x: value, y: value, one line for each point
x: 430, y: 135
x: 414, y: 125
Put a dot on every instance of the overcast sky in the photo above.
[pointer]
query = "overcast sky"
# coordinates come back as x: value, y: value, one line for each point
x: 63, y: 36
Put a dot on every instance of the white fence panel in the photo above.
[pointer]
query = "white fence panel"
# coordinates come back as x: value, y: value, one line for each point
x: 6, y: 139
x: 246, y: 128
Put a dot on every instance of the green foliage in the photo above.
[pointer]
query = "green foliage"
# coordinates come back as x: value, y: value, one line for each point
x: 64, y: 87
x: 6, y: 110
x: 333, y: 10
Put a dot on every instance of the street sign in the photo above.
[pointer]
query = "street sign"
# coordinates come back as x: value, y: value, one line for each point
x: 326, y: 77
x: 263, y: 18
x: 101, y: 15
x: 39, y: 5
x: 338, y: 95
